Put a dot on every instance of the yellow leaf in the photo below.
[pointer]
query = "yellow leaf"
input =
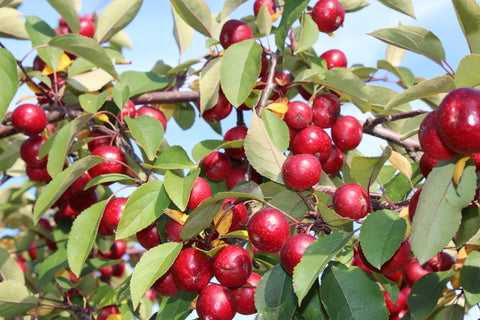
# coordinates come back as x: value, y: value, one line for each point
x: 459, y: 167
x: 239, y: 234
x: 83, y: 134
x: 65, y: 62
x: 33, y: 87
x: 176, y: 215
x: 63, y: 273
x: 279, y: 107
x: 167, y: 109
x: 404, y: 214
x: 102, y: 117
x: 455, y: 280
x: 331, y: 35
x: 41, y: 310
x: 195, y: 85
x: 26, y: 98
x: 276, y: 15
x: 114, y: 316
x: 223, y: 219
x: 400, y: 163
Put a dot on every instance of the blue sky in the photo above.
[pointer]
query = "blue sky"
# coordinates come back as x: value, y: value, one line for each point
x: 152, y: 40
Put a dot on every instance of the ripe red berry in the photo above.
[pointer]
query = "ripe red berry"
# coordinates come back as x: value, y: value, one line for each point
x: 232, y: 266
x: 245, y: 295
x: 238, y: 175
x: 328, y: 15
x: 111, y: 216
x: 192, y: 270
x: 165, y: 285
x: 220, y: 110
x: 97, y: 139
x: 235, y: 133
x: 114, y: 161
x: 347, y: 133
x: 430, y: 140
x: 270, y: 4
x: 200, y: 191
x: 313, y: 140
x: 299, y: 115
x: 268, y: 229
x: 334, y: 58
x: 301, y: 171
x: 334, y: 162
x: 29, y: 119
x: 426, y: 164
x: 106, y: 311
x: 396, y: 263
x: 152, y: 112
x: 29, y: 151
x: 38, y: 173
x: 149, y: 237
x: 352, y: 201
x: 87, y: 27
x: 128, y: 110
x: 325, y: 110
x: 234, y: 31
x: 217, y: 166
x: 293, y: 249
x: 412, y: 206
x: 116, y: 251
x: 216, y: 302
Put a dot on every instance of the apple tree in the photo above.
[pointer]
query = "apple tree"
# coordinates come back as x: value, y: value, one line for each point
x: 279, y: 216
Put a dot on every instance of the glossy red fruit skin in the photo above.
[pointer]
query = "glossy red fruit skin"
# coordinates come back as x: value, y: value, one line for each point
x: 301, y: 171
x: 65, y: 212
x: 87, y: 27
x: 79, y: 184
x: 271, y: 6
x: 80, y: 201
x: 111, y: 216
x: 430, y: 140
x: 217, y: 166
x: 232, y: 134
x: 313, y: 140
x: 149, y: 237
x: 328, y: 15
x: 116, y: 251
x: 165, y: 285
x: 192, y: 270
x: 114, y: 158
x: 29, y: 151
x: 325, y: 110
x: 292, y: 250
x: 201, y: 190
x: 299, y: 115
x: 220, y: 110
x: 352, y: 201
x: 442, y: 261
x: 412, y: 205
x: 216, y: 302
x: 234, y: 31
x: 334, y: 58
x: 413, y: 271
x: 39, y: 174
x: 245, y: 295
x: 396, y: 263
x: 239, y: 215
x: 152, y: 112
x: 458, y: 120
x: 38, y: 64
x: 347, y: 133
x: 334, y: 162
x: 29, y: 119
x: 232, y: 266
x: 106, y: 311
x: 98, y: 139
x: 238, y: 175
x: 172, y: 231
x: 426, y: 164
x: 128, y: 110
x: 399, y: 305
x: 268, y: 229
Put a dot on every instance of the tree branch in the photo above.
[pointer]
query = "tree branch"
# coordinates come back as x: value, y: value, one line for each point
x: 166, y: 97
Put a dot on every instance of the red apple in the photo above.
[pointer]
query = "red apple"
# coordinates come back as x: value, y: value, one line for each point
x: 200, y: 191
x: 352, y: 201
x: 313, y: 140
x: 293, y: 249
x: 232, y: 134
x: 234, y: 31
x: 216, y: 302
x: 111, y: 216
x: 301, y: 171
x: 334, y: 58
x: 347, y: 133
x: 325, y: 110
x: 152, y: 112
x: 268, y: 229
x: 299, y: 115
x: 217, y: 166
x: 430, y: 140
x: 232, y: 266
x: 192, y: 270
x: 328, y: 15
x: 29, y: 119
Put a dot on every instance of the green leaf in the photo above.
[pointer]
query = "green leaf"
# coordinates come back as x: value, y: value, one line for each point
x: 404, y: 74
x: 143, y: 206
x: 195, y: 13
x: 423, y: 89
x: 240, y: 70
x: 403, y: 6
x: 182, y: 32
x: 179, y: 188
x: 51, y: 265
x: 381, y: 235
x: 346, y: 82
x: 147, y: 131
x: 209, y: 83
x: 291, y: 203
x: 151, y: 266
x: 15, y: 299
x: 141, y: 82
x: 353, y: 5
x: 175, y: 157
x: 200, y: 218
x: 311, y: 307
x: 426, y: 292
x: 317, y: 255
x: 93, y: 102
x: 86, y: 48
x: 264, y: 20
x: 308, y: 34
x: 41, y: 33
x: 413, y: 38
x: 176, y: 307
x: 62, y: 143
x: 11, y: 24
x: 274, y: 296
x: 394, y: 55
x: 229, y: 6
x: 9, y: 269
x: 438, y: 213
x: 291, y: 12
x: 9, y: 76
x: 366, y: 169
x: 116, y: 16
x: 468, y: 15
x: 351, y: 294
x: 184, y: 115
x: 68, y: 11
x: 261, y: 152
x: 450, y: 312
x: 277, y: 130
x: 465, y: 76
x: 82, y: 236
x: 90, y: 81
x: 59, y: 184
x: 470, y: 278
x: 203, y: 148
x: 469, y: 226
